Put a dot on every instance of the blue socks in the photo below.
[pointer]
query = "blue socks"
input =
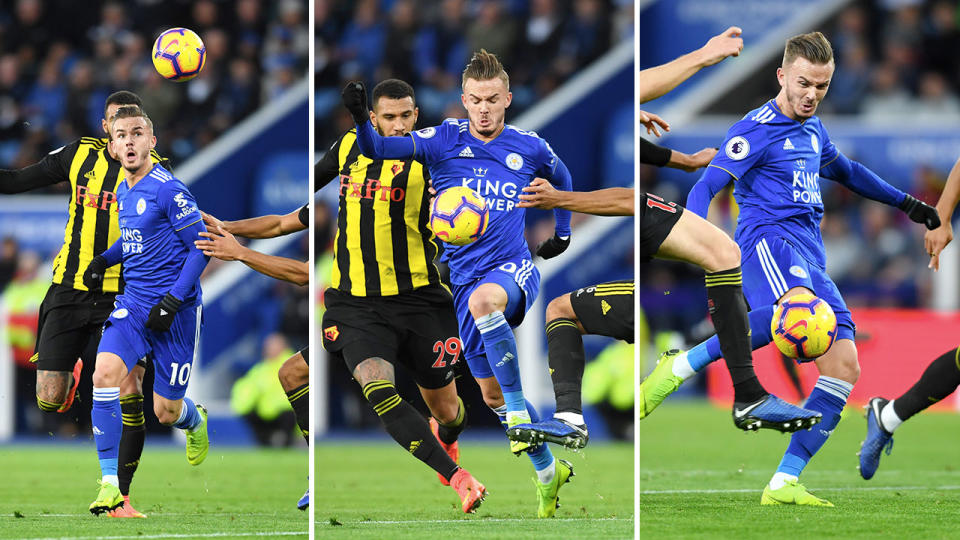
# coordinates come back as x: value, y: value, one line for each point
x: 107, y: 428
x: 709, y: 350
x: 189, y: 415
x: 501, y: 350
x: 828, y: 396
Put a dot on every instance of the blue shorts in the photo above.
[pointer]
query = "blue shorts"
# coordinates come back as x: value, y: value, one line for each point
x: 125, y: 335
x: 771, y: 267
x: 521, y: 279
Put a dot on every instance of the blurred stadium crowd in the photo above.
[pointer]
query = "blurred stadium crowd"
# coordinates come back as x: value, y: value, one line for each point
x: 896, y: 65
x: 60, y: 59
x: 541, y: 43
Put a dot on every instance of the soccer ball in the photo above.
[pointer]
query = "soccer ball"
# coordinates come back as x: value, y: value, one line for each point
x: 804, y: 326
x: 179, y: 54
x: 458, y: 215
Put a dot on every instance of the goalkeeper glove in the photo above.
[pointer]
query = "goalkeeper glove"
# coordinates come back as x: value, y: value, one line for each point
x: 161, y: 316
x: 920, y: 212
x: 355, y: 100
x: 93, y: 275
x: 553, y: 246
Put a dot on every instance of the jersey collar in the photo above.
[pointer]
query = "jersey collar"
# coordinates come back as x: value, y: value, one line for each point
x: 773, y: 103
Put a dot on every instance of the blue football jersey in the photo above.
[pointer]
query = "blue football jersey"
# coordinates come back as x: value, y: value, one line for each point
x: 498, y: 170
x: 776, y: 162
x: 153, y: 256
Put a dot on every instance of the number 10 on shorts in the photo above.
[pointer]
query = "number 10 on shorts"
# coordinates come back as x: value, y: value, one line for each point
x: 179, y: 375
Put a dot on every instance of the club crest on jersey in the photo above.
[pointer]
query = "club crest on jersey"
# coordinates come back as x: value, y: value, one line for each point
x: 514, y: 161
x: 427, y: 132
x: 141, y: 206
x: 737, y: 148
x: 815, y: 143
x: 120, y: 313
x: 799, y: 272
x: 397, y: 168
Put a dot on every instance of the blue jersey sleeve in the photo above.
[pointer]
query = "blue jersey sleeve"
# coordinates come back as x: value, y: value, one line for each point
x: 430, y: 143
x: 713, y: 180
x: 557, y: 173
x: 114, y: 254
x: 181, y: 211
x: 828, y: 152
x: 744, y: 146
x: 376, y: 146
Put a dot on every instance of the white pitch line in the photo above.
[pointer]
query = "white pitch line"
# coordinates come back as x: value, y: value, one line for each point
x: 192, y: 535
x: 864, y: 488
x: 479, y: 520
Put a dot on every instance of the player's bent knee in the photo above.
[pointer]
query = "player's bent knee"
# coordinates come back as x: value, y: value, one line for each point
x: 52, y: 386
x: 373, y: 369
x: 560, y: 308
x: 294, y: 372
x: 487, y: 299
x: 727, y: 254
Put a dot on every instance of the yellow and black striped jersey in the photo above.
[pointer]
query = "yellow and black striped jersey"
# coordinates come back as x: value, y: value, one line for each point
x: 383, y: 245
x: 92, y: 215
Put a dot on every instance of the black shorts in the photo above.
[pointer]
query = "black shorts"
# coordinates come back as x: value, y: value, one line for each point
x: 606, y: 309
x: 70, y: 320
x: 417, y: 329
x: 657, y: 219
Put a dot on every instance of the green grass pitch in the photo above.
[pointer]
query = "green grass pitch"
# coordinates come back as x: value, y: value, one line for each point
x: 45, y: 492
x: 700, y: 477
x: 377, y: 490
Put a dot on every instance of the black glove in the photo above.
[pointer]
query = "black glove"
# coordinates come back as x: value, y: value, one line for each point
x: 553, y: 246
x: 920, y: 212
x: 161, y: 316
x: 355, y: 100
x: 93, y: 275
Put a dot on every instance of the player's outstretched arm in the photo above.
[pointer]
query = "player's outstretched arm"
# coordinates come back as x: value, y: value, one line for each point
x: 28, y: 178
x: 269, y: 226
x: 372, y: 144
x: 713, y: 180
x: 657, y: 81
x: 602, y: 202
x: 866, y: 183
x: 934, y: 241
x: 224, y: 246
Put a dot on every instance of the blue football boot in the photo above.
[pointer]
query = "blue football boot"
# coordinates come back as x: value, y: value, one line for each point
x: 877, y: 439
x: 772, y: 412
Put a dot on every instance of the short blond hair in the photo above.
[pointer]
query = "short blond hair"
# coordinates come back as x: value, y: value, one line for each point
x: 131, y: 111
x: 484, y: 66
x: 814, y: 46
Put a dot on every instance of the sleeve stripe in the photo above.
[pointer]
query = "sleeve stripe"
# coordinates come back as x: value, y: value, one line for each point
x: 189, y: 224
x: 735, y: 177
x: 831, y: 161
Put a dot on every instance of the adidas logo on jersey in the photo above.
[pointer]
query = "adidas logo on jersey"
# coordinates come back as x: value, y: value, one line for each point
x: 787, y: 145
x: 604, y: 306
x: 466, y: 152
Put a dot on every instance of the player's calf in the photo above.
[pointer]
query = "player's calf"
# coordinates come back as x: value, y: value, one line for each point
x: 53, y: 388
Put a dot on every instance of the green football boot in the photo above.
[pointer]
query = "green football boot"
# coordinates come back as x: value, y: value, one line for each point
x: 547, y: 498
x: 108, y: 498
x: 792, y: 492
x: 519, y: 447
x: 660, y: 383
x: 197, y: 442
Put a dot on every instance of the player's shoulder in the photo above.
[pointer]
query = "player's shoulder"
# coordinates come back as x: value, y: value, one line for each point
x: 523, y: 133
x: 97, y: 142
x: 450, y: 127
x: 164, y: 178
x: 763, y: 122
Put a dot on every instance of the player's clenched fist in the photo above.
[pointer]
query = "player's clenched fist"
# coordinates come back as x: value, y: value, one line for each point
x: 728, y: 43
x: 161, y: 316
x: 93, y: 275
x: 920, y: 212
x: 355, y: 100
x: 553, y: 246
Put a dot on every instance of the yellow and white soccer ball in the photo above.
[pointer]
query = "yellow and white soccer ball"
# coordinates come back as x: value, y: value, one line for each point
x: 179, y: 54
x: 458, y: 215
x: 804, y: 326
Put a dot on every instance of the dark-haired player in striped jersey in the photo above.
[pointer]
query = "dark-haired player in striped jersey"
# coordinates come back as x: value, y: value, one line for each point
x: 386, y: 303
x: 219, y: 241
x: 71, y: 316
